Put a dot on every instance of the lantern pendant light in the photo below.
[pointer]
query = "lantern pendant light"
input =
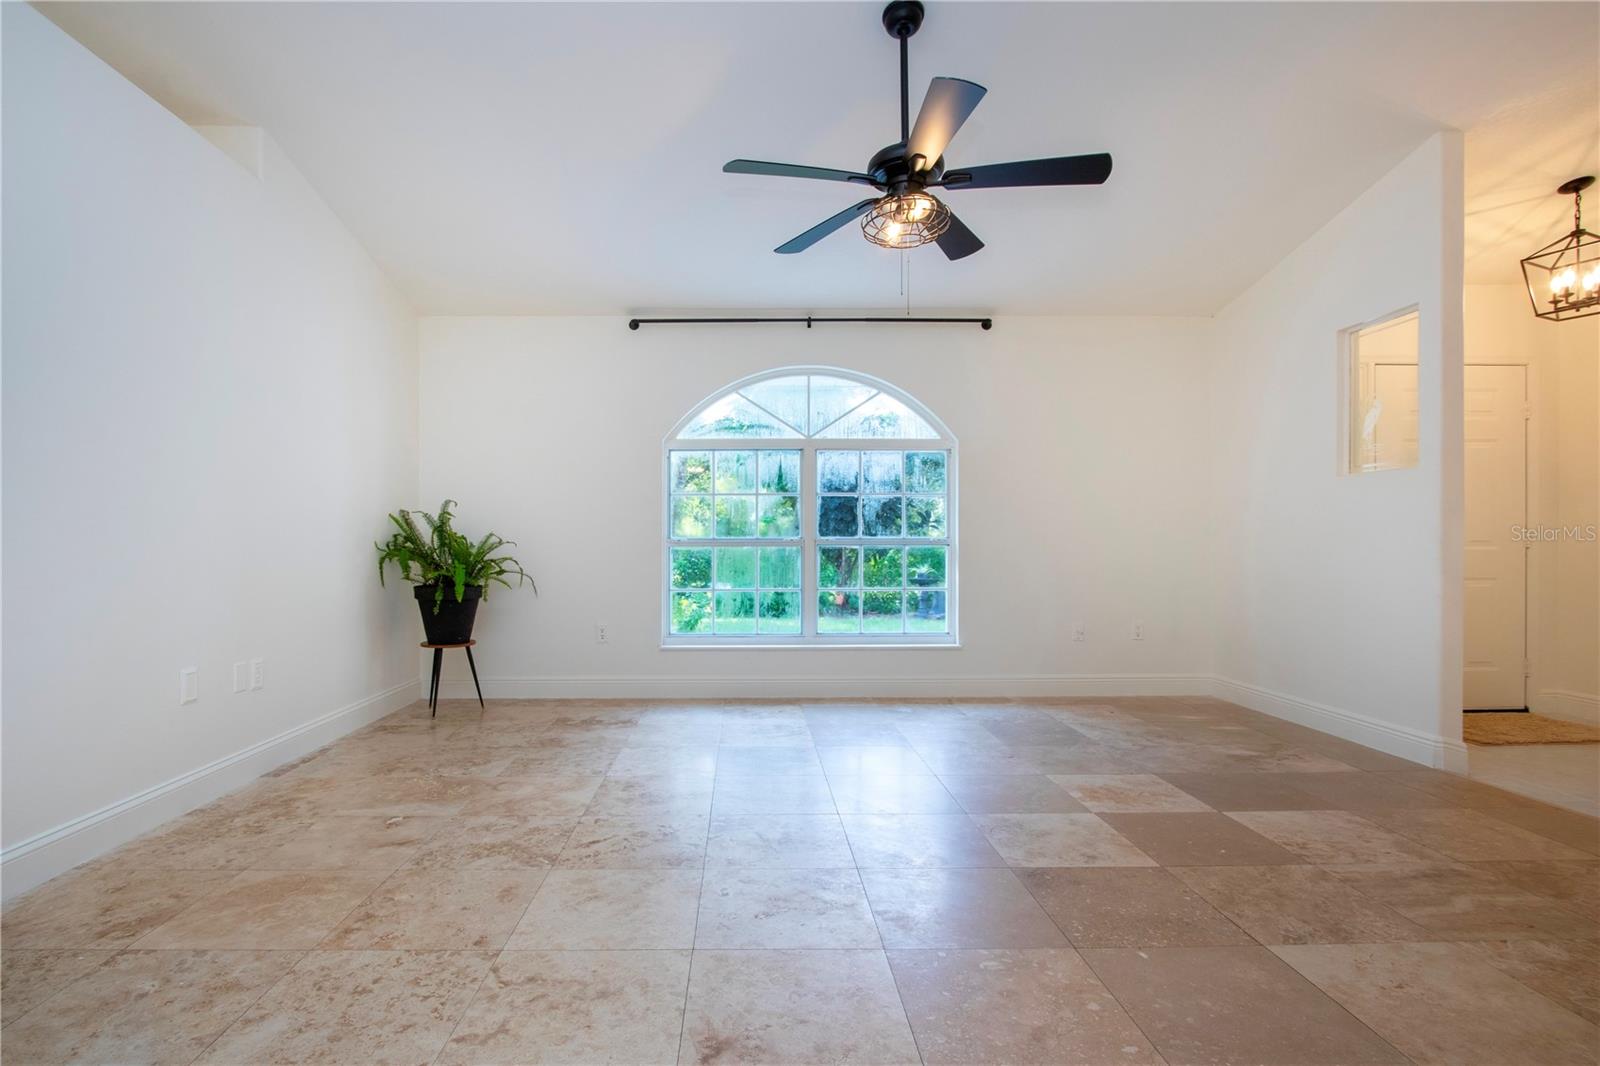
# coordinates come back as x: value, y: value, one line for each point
x: 1563, y: 277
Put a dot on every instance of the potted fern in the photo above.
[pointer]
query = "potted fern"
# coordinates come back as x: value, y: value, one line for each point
x: 451, y: 572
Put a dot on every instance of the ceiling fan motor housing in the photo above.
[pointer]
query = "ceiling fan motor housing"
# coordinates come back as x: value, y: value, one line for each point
x: 902, y: 18
x: 894, y: 172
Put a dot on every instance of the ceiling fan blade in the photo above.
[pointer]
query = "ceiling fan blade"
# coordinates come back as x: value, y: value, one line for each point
x: 792, y: 170
x: 822, y: 229
x: 957, y: 241
x: 1062, y: 170
x: 948, y: 104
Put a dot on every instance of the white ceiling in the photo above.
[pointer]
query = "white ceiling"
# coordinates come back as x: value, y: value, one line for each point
x: 555, y: 158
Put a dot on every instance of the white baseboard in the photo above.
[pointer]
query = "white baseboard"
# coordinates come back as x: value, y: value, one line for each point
x: 1568, y: 706
x: 1429, y: 749
x: 679, y: 687
x: 32, y: 862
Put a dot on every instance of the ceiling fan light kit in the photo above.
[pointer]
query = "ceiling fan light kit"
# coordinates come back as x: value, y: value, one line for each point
x: 908, y: 221
x: 1563, y: 277
x: 906, y: 215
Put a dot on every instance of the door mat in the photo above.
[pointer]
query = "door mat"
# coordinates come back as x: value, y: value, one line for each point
x: 1520, y: 727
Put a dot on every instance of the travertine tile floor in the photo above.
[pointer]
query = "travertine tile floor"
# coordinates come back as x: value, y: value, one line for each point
x: 1113, y: 881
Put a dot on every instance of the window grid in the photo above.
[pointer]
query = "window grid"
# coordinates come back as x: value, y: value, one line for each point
x: 919, y: 609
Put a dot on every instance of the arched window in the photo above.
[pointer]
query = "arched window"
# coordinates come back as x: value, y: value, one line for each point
x: 810, y: 506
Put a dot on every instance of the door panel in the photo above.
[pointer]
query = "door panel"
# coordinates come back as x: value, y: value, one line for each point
x: 1394, y: 435
x: 1495, y: 563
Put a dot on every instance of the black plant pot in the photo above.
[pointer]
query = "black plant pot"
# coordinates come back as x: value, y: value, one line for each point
x: 453, y: 623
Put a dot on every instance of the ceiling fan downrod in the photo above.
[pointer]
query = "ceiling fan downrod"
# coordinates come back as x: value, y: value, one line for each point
x: 903, y: 18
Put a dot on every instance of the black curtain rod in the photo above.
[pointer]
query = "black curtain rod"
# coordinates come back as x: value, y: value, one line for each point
x: 635, y: 323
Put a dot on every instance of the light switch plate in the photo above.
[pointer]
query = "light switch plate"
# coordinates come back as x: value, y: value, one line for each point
x: 188, y: 684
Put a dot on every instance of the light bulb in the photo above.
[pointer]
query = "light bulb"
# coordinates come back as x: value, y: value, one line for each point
x: 891, y: 229
x: 919, y: 208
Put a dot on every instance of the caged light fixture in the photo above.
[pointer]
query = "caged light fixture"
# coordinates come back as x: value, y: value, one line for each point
x: 1563, y: 277
x: 907, y: 221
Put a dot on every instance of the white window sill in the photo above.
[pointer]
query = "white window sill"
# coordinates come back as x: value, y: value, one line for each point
x: 741, y: 644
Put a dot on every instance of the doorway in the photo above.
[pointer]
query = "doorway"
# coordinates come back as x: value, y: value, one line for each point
x: 1496, y: 548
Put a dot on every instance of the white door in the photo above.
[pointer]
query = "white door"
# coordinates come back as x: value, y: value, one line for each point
x: 1394, y: 432
x: 1496, y: 564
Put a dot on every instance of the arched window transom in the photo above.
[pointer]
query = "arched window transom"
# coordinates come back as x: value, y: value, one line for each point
x: 810, y: 506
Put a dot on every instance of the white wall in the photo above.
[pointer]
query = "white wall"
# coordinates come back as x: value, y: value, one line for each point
x: 1082, y: 498
x: 1563, y: 360
x: 1338, y: 597
x: 209, y: 404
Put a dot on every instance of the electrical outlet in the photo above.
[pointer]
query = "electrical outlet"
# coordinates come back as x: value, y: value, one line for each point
x: 602, y: 633
x: 1138, y: 631
x: 241, y: 676
x: 257, y: 675
x: 188, y: 684
x: 1077, y: 632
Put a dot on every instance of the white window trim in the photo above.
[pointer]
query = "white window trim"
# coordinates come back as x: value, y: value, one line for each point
x: 808, y: 541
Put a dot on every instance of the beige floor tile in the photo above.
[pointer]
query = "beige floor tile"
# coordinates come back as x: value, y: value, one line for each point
x: 568, y: 760
x: 268, y: 909
x: 1461, y: 901
x: 1247, y: 791
x: 368, y: 842
x: 742, y: 908
x: 1446, y: 1004
x: 361, y: 1008
x: 1566, y: 971
x: 757, y: 794
x: 30, y: 976
x: 1459, y: 791
x: 1127, y: 793
x: 422, y: 795
x: 1234, y: 1005
x: 653, y: 795
x: 611, y: 909
x: 918, y: 840
x: 1328, y: 837
x: 1472, y: 835
x: 558, y: 796
x: 675, y: 842
x: 1044, y: 1006
x: 1116, y: 907
x: 1576, y: 830
x: 1198, y: 840
x: 489, y: 842
x: 146, y: 1007
x: 1358, y: 791
x: 104, y: 907
x: 210, y: 842
x: 575, y: 1007
x: 794, y: 841
x: 1059, y: 840
x: 1010, y: 794
x: 1575, y: 885
x: 1297, y: 905
x: 657, y: 759
x: 855, y: 760
x: 799, y: 1007
x: 773, y: 760
x: 747, y: 820
x: 892, y: 794
x: 979, y: 757
x: 957, y: 908
x: 431, y: 909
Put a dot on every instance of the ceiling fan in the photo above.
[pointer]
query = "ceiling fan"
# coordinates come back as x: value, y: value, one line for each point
x: 907, y: 215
